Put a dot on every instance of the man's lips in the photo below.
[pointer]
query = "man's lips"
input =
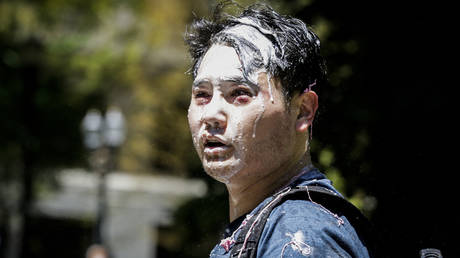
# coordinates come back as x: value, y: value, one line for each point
x: 215, y: 146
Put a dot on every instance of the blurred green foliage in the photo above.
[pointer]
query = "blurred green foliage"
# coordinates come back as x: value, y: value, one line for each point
x: 106, y: 53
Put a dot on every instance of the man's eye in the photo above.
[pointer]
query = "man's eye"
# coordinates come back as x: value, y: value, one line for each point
x: 241, y: 92
x: 202, y: 97
x: 241, y: 96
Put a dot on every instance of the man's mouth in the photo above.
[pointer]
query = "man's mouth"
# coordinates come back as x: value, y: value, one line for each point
x: 213, y: 144
x: 215, y: 147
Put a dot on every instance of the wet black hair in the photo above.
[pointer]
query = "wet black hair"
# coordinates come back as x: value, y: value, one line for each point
x: 296, y: 60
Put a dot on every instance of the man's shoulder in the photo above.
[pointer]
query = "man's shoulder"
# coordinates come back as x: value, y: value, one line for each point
x: 302, y: 211
x: 300, y: 227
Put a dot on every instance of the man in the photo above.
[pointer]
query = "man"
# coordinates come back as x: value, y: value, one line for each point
x: 250, y: 113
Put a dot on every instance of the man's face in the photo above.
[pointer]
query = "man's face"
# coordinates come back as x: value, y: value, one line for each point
x: 241, y: 131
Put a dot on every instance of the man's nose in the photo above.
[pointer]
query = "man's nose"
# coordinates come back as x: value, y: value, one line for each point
x: 215, y: 116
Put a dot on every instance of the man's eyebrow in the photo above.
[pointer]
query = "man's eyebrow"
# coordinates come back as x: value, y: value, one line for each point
x: 197, y: 83
x: 240, y: 80
x: 235, y: 79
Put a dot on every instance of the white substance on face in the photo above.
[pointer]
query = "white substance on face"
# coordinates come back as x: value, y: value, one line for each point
x: 258, y: 118
x: 248, y: 31
x: 240, y: 123
x: 230, y: 170
x: 254, y: 77
x: 238, y: 139
x: 260, y: 40
x: 269, y: 80
x: 226, y: 168
x: 194, y: 136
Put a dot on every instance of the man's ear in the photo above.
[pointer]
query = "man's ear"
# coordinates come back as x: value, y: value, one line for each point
x: 307, y: 109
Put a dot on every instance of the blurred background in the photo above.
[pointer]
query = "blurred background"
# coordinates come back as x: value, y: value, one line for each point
x: 95, y: 146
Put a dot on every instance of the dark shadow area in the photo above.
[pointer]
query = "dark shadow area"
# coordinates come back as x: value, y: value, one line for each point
x: 49, y: 237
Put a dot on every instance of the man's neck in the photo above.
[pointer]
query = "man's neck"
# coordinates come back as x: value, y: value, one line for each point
x: 245, y: 197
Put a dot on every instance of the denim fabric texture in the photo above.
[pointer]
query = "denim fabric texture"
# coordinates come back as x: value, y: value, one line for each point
x: 300, y: 228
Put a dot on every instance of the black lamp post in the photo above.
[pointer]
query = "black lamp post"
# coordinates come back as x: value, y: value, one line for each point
x: 102, y: 136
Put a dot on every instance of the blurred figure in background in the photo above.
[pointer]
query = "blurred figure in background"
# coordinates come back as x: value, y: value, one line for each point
x: 96, y: 251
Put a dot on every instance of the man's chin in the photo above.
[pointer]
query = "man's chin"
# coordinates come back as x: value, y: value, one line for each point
x: 222, y: 171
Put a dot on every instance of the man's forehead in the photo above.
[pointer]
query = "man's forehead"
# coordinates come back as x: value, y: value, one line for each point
x: 219, y: 63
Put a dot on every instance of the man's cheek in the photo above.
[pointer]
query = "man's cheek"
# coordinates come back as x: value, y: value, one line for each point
x: 194, y: 130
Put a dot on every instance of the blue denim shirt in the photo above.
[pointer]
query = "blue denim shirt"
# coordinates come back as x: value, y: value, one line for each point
x: 300, y: 228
